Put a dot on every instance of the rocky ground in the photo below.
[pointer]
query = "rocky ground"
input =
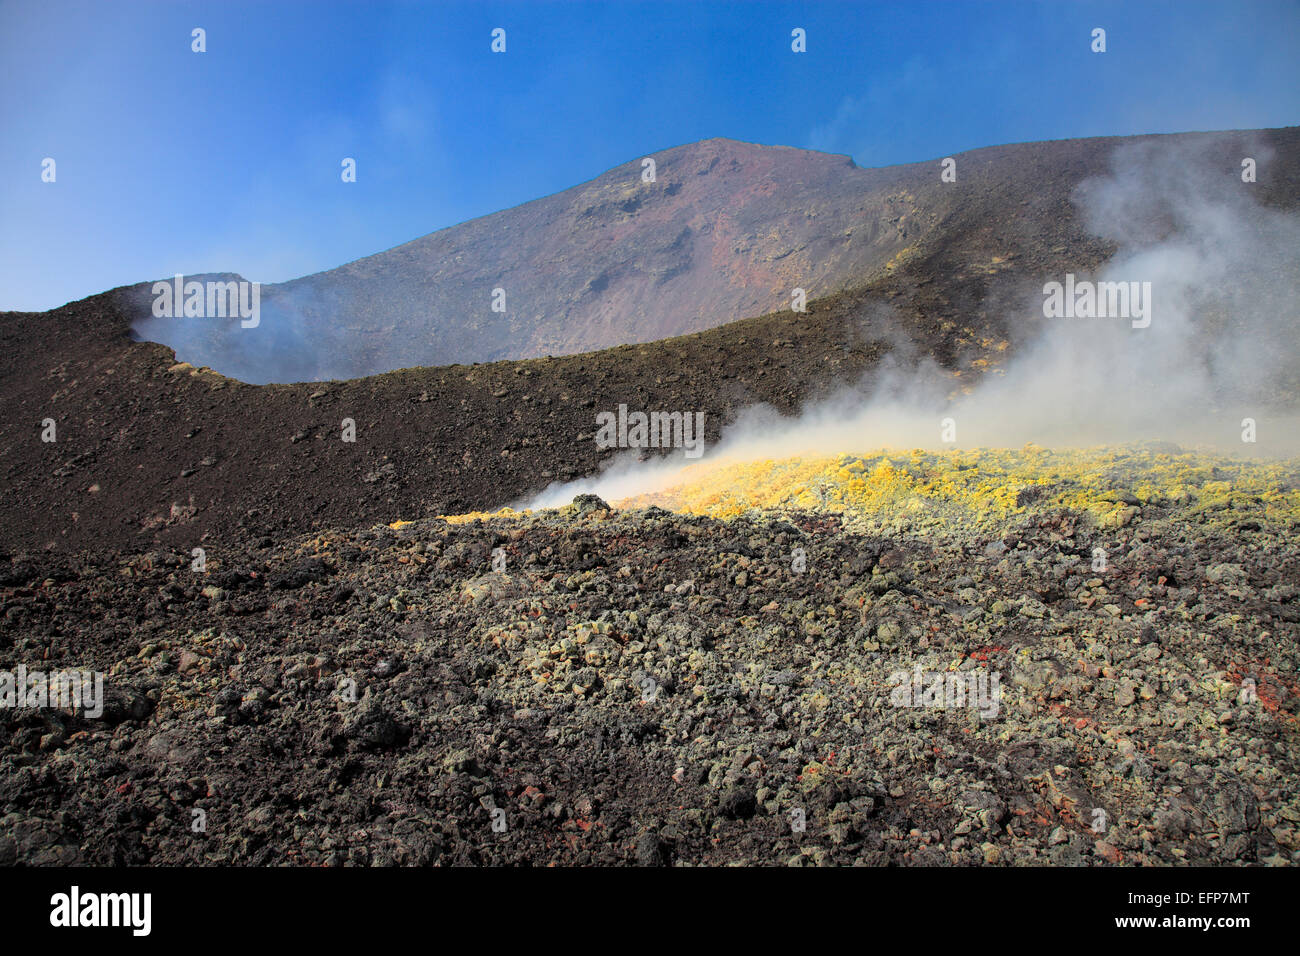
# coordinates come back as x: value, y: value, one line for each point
x: 701, y: 677
x: 635, y: 685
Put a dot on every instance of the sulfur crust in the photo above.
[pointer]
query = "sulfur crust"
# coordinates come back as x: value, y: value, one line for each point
x: 984, y: 488
x: 990, y: 485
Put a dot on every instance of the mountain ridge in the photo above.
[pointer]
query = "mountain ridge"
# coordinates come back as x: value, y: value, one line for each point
x: 727, y: 231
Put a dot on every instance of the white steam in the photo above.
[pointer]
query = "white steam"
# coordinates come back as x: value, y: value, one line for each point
x: 1223, y: 345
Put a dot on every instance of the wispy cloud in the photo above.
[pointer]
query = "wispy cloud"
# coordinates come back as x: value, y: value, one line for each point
x: 893, y: 108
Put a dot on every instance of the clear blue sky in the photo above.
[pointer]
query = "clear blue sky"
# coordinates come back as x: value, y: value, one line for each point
x: 172, y: 161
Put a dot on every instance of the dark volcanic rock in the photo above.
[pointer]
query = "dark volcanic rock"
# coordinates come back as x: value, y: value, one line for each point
x: 374, y: 729
x: 609, y: 715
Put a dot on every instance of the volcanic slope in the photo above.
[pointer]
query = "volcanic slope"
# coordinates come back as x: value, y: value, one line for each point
x: 149, y: 450
x: 726, y: 231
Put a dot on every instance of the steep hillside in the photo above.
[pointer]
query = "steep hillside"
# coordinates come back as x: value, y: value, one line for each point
x: 726, y: 231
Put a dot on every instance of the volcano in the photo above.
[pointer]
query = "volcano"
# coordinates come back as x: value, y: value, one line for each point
x: 322, y: 634
x: 176, y: 449
x: 727, y: 230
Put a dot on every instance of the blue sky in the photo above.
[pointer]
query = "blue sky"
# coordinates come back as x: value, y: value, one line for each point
x: 174, y: 161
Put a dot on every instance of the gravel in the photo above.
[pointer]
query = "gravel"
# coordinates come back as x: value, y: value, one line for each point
x: 646, y: 687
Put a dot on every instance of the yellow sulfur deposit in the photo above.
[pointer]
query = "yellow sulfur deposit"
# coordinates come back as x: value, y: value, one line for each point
x: 482, y: 516
x: 466, y: 518
x: 984, y: 487
x: 989, y: 485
